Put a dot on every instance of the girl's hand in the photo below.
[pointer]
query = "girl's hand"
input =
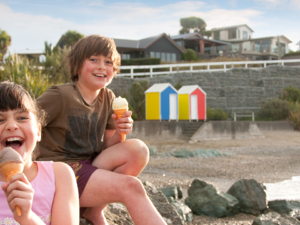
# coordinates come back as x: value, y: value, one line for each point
x: 124, y: 124
x: 18, y: 191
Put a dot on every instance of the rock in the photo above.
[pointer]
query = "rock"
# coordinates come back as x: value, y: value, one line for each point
x: 117, y: 214
x: 288, y: 207
x: 205, y: 199
x: 183, y: 210
x: 170, y: 191
x: 251, y: 195
x: 179, y: 191
x: 273, y: 218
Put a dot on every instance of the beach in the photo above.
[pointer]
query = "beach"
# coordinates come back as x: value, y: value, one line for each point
x: 271, y: 159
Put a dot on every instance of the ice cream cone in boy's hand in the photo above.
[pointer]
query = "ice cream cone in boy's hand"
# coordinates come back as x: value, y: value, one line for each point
x: 120, y: 106
x: 11, y: 163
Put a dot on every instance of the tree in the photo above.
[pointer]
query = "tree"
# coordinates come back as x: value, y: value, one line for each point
x: 193, y: 23
x: 5, y: 41
x: 69, y: 39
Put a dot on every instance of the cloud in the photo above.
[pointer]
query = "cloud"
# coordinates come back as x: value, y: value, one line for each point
x: 295, y: 3
x: 118, y: 20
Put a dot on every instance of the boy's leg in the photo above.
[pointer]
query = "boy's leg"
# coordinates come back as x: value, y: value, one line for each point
x: 129, y: 157
x: 105, y: 187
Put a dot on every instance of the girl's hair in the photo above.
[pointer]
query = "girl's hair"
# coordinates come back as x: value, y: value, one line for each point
x: 88, y: 46
x: 14, y: 96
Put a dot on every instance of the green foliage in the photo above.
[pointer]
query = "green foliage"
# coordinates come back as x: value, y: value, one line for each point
x: 56, y: 66
x: 140, y: 61
x: 71, y: 37
x: 290, y: 94
x: 5, y: 41
x: 195, y: 23
x: 216, y: 114
x: 152, y: 150
x: 136, y: 98
x: 291, y: 53
x: 275, y: 109
x: 190, y: 55
x: 178, y: 85
x: 21, y: 71
x: 294, y: 116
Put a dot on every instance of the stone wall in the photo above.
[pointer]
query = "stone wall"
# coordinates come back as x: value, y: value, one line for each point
x: 238, y: 90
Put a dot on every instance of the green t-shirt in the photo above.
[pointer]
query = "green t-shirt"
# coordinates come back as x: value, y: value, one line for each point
x: 75, y: 129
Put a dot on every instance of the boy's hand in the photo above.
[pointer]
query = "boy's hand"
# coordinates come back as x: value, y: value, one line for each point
x: 18, y: 191
x: 124, y: 124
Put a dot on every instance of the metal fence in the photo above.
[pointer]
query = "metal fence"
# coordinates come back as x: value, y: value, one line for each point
x: 163, y: 69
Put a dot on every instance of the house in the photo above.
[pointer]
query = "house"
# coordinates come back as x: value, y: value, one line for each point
x: 161, y: 102
x: 298, y: 45
x: 160, y: 46
x: 32, y: 54
x: 244, y: 45
x: 204, y: 47
x: 191, y: 103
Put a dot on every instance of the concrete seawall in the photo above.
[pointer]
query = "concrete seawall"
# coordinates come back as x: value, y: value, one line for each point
x: 212, y: 130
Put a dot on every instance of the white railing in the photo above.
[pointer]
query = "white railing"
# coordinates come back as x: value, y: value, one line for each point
x: 198, y: 67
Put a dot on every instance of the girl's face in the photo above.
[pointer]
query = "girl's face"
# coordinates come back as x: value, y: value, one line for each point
x: 20, y: 131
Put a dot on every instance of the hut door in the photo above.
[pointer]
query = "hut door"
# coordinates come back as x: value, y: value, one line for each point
x: 194, y: 107
x: 173, y: 107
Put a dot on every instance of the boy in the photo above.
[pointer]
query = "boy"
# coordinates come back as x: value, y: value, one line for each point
x: 83, y: 131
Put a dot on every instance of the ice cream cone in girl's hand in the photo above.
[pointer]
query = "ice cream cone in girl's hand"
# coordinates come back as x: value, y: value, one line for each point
x: 11, y: 163
x: 120, y: 106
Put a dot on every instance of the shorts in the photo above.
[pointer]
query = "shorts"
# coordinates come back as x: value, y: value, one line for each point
x: 83, y: 171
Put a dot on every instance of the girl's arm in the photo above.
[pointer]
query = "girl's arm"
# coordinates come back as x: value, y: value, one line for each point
x: 123, y: 125
x: 65, y: 209
x: 19, y: 192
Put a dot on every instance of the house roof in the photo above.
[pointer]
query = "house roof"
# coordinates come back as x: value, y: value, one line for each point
x: 262, y: 38
x: 30, y: 52
x: 188, y: 89
x: 159, y: 88
x: 196, y: 36
x: 144, y: 43
x: 236, y: 26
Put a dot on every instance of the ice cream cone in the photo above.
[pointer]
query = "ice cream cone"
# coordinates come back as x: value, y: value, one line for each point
x: 9, y: 169
x: 119, y: 113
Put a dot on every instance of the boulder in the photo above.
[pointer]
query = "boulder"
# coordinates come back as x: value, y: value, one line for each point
x: 273, y: 218
x: 288, y: 207
x: 205, y: 199
x: 170, y: 191
x: 183, y: 210
x: 251, y: 196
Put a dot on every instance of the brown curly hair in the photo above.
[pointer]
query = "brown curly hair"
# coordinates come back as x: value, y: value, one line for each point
x: 88, y: 46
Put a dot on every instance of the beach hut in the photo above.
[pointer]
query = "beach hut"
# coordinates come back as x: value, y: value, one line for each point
x: 191, y: 103
x: 161, y: 102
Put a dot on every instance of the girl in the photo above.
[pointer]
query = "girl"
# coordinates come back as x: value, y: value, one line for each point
x: 46, y: 191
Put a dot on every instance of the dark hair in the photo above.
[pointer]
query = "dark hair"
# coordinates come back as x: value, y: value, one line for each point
x: 14, y: 96
x: 88, y: 46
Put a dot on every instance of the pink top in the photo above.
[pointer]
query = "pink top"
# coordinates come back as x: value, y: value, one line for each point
x: 44, y: 190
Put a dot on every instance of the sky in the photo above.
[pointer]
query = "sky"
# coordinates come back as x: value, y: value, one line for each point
x: 32, y: 22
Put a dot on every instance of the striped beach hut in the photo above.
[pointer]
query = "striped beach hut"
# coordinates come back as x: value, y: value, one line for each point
x: 161, y: 102
x: 191, y: 103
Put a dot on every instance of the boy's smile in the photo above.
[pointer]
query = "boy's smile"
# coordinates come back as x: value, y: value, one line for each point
x: 96, y: 72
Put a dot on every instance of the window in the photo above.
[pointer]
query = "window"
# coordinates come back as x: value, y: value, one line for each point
x: 217, y: 35
x: 152, y: 54
x: 157, y: 55
x: 173, y: 57
x: 179, y: 43
x: 232, y: 34
x: 163, y: 57
x: 168, y: 57
x: 125, y: 56
x: 245, y: 35
x: 239, y: 34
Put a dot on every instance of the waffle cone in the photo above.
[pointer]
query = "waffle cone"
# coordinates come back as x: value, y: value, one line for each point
x: 9, y: 169
x: 119, y: 113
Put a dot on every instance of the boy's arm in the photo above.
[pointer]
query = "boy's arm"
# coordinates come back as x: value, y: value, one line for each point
x: 65, y: 209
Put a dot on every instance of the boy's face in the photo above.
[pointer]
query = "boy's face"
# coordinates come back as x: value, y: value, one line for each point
x: 96, y: 72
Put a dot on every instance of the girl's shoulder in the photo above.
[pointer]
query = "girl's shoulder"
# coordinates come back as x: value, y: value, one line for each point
x: 63, y: 171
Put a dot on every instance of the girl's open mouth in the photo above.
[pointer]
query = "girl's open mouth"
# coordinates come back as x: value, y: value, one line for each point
x: 13, y: 142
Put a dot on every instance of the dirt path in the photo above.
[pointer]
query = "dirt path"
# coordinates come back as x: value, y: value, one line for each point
x: 271, y: 159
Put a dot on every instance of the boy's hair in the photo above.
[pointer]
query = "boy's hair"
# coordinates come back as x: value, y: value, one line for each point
x: 88, y: 46
x: 14, y: 96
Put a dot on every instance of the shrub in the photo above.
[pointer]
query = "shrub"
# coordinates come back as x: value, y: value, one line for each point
x: 275, y: 109
x: 216, y: 114
x: 190, y: 55
x: 294, y: 116
x: 290, y: 94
